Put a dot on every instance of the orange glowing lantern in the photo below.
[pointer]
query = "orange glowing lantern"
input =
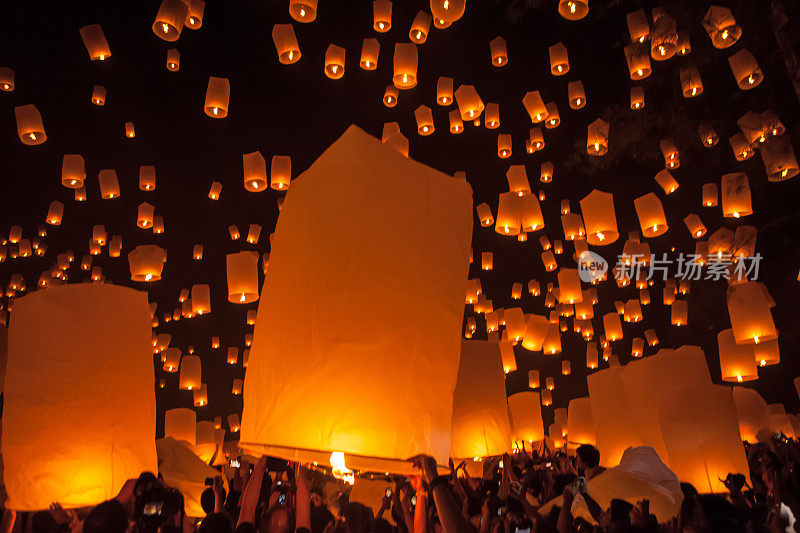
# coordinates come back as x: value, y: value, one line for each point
x: 95, y: 42
x: 599, y: 218
x: 721, y: 27
x: 497, y: 47
x: 745, y: 70
x: 370, y: 49
x: 242, y: 277
x: 735, y: 192
x: 146, y: 262
x: 736, y: 361
x: 576, y: 94
x: 99, y: 95
x: 170, y: 19
x: 638, y: 61
x: 405, y: 65
x: 420, y: 28
x: 29, y: 125
x: 535, y: 107
x: 334, y: 62
x: 303, y: 10
x: 285, y: 44
x: 597, y: 138
x: 559, y: 61
x: 691, y: 84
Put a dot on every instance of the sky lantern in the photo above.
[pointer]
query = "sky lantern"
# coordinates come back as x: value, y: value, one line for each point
x: 6, y: 79
x: 536, y: 328
x: 190, y: 372
x: 405, y: 65
x: 109, y: 427
x: 218, y: 94
x: 280, y: 172
x: 173, y: 60
x: 444, y: 91
x: 390, y: 96
x: 381, y: 15
x: 754, y: 127
x: 233, y: 355
x: 742, y: 149
x: 694, y: 225
x: 597, y: 138
x: 774, y: 124
x: 487, y: 260
x: 303, y: 10
x: 147, y: 178
x: 253, y: 233
x: 146, y: 262
x: 492, y: 116
x: 497, y: 48
x: 201, y: 299
x: 215, y: 190
x: 572, y: 224
x: 507, y: 356
x: 73, y: 171
x: 536, y: 140
x: 753, y: 413
x: 779, y: 159
x: 736, y: 361
x: 479, y: 424
x: 517, y: 179
x: 691, y: 84
x: 370, y: 49
x: 469, y: 103
x: 525, y: 413
x: 750, y: 312
x: 679, y: 312
x: 553, y: 118
x: 599, y: 218
x: 98, y: 95
x: 573, y: 9
x: 767, y: 353
x: 54, y: 213
x: 285, y: 44
x: 242, y: 277
x: 672, y: 158
x: 638, y: 61
x: 684, y: 43
x: 504, y: 145
x: 445, y: 12
x: 255, y: 172
x: 424, y: 118
x: 533, y: 379
x: 535, y: 107
x: 194, y: 18
x: 144, y: 217
x: 547, y: 396
x: 109, y: 185
x: 29, y: 125
x: 638, y: 27
x: 171, y: 357
x: 710, y: 194
x: 559, y: 61
x: 509, y: 214
x: 95, y: 42
x: 516, y: 290
x: 200, y: 395
x: 456, y: 124
x: 708, y: 135
x: 531, y: 213
x: 576, y: 94
x: 130, y: 131
x: 377, y: 356
x: 632, y: 311
x: 637, y: 97
x: 170, y: 19
x: 552, y: 341
x: 666, y: 181
x: 420, y: 28
x: 721, y: 27
x: 735, y: 192
x: 612, y: 326
x: 663, y: 38
x: 569, y: 286
x: 745, y: 70
x: 334, y: 62
x: 651, y: 215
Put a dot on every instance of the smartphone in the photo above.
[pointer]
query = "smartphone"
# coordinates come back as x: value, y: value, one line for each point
x: 388, y: 492
x: 282, y: 498
x: 234, y: 463
x: 152, y: 508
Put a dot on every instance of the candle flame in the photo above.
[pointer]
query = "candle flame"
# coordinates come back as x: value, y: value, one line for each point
x: 339, y: 470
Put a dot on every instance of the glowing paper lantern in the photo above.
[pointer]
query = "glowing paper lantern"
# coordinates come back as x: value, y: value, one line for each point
x: 553, y: 118
x: 381, y: 15
x: 327, y: 412
x: 29, y: 125
x: 147, y: 178
x: 424, y: 118
x: 390, y: 96
x: 492, y: 116
x: 736, y: 361
x: 95, y: 42
x: 255, y: 172
x: 233, y: 355
x: 445, y: 12
x: 735, y: 190
x: 190, y: 372
x: 99, y: 95
x: 752, y: 411
x: 721, y: 27
x: 517, y: 179
x: 637, y: 97
x: 597, y: 138
x: 580, y: 425
x: 691, y: 84
x: 218, y: 94
x: 504, y: 146
x: 651, y: 215
x: 469, y: 103
x: 6, y: 79
x: 58, y: 355
x: 144, y: 217
x: 444, y: 91
x: 173, y: 60
x: 405, y: 65
x: 497, y: 47
x: 303, y: 10
x: 569, y: 286
x: 559, y: 61
x: 612, y: 326
x: 170, y: 19
x: 666, y: 181
x: 638, y: 61
x: 130, y: 132
x: 535, y: 106
x: 334, y: 62
x: 484, y: 214
x: 576, y: 94
x: 201, y: 299
x: 54, y: 213
x: 525, y: 414
x: 749, y: 307
x: 370, y: 48
x: 181, y: 424
x: 216, y: 189
x: 663, y: 38
x: 573, y: 9
x: 420, y: 27
x: 779, y: 159
x: 479, y: 424
x: 280, y: 172
x: 194, y: 18
x: 694, y: 225
x: 745, y: 70
x: 599, y: 218
x: 286, y: 44
x: 146, y: 262
x: 242, y: 277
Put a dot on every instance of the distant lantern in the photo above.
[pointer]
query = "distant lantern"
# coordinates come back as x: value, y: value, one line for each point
x: 445, y: 12
x: 146, y: 262
x: 694, y: 225
x: 334, y: 62
x: 469, y: 102
x: 303, y: 10
x: 547, y: 395
x: 774, y: 124
x: 708, y: 135
x: 638, y: 27
x: 572, y: 224
x: 504, y: 145
x: 492, y: 116
x: 54, y: 213
x: 679, y: 311
x: 201, y: 299
x: 559, y: 60
x: 200, y: 395
x: 218, y: 94
x: 233, y: 355
x: 666, y: 181
x: 280, y: 172
x: 255, y: 172
x: 381, y: 15
x: 197, y: 252
x: 569, y: 286
x: 779, y: 159
x: 612, y: 326
x: 533, y: 379
x: 419, y: 28
x: 736, y: 361
x: 573, y: 9
x: 147, y: 178
x: 637, y: 347
x: 233, y: 231
x: 525, y: 413
x: 238, y: 384
x: 684, y: 44
x: 651, y: 215
x: 456, y: 124
x: 194, y: 18
x: 173, y: 60
x: 73, y: 171
x: 735, y: 192
x: 749, y: 307
x: 553, y: 118
x: 424, y: 118
x: 6, y: 79
x: 390, y: 96
x: 253, y: 233
x: 144, y: 217
x: 663, y: 38
x: 497, y: 48
x: 370, y: 49
x: 95, y: 42
x: 285, y: 44
x: 638, y: 61
x: 99, y: 95
x: 190, y: 372
x: 535, y: 106
x: 531, y: 213
x: 80, y: 194
x: 599, y: 218
x: 29, y: 125
x: 721, y: 27
x: 405, y: 65
x: 233, y: 423
x: 637, y: 97
x: 242, y: 270
x: 171, y: 358
x: 444, y: 91
x: 215, y: 190
x: 566, y: 368
x: 576, y: 94
x: 170, y: 19
x: 672, y: 158
x: 742, y: 149
x: 745, y: 69
x: 109, y: 185
x: 597, y: 138
x: 690, y: 81
x: 130, y: 131
x: 536, y: 139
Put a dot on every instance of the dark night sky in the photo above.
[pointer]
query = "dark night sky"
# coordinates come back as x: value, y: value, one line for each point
x: 295, y: 110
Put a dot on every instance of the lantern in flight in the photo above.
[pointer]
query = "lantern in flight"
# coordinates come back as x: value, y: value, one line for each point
x: 559, y: 61
x: 497, y: 47
x: 721, y: 27
x: 735, y: 192
x: 381, y: 15
x: 597, y: 138
x: 95, y: 42
x: 303, y: 10
x: 109, y: 185
x: 405, y: 65
x: 334, y: 62
x: 576, y: 94
x: 146, y: 262
x: 370, y: 48
x: 6, y: 79
x: 99, y: 95
x: 285, y: 44
x: 242, y: 277
x: 420, y: 27
x: 736, y: 361
x: 599, y: 218
x: 170, y: 19
x: 73, y: 171
x: 745, y: 69
x: 651, y: 215
x: 29, y: 125
x: 255, y: 172
x: 573, y: 9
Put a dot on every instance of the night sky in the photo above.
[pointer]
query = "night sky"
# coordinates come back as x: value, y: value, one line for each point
x: 296, y: 110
